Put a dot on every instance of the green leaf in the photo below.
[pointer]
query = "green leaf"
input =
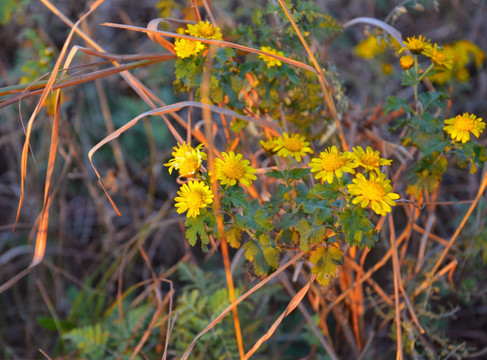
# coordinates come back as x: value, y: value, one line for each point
x: 394, y: 104
x: 326, y: 191
x: 326, y: 261
x: 48, y: 323
x: 409, y: 78
x: 308, y: 233
x: 235, y: 196
x: 255, y: 218
x: 233, y: 236
x: 261, y: 219
x: 432, y: 98
x: 90, y: 340
x: 183, y: 68
x: 298, y: 174
x: 196, y: 226
x: 263, y: 254
x: 217, y: 94
x: 435, y: 144
x: 357, y: 227
x: 277, y: 174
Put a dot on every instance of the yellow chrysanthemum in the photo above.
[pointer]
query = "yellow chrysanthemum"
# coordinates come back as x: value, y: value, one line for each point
x: 204, y: 30
x: 270, y: 60
x: 374, y: 192
x: 186, y: 159
x: 331, y: 162
x: 416, y: 45
x: 233, y: 169
x: 185, y: 48
x: 460, y: 127
x: 406, y: 62
x: 438, y: 56
x: 370, y: 160
x: 193, y: 196
x: 294, y: 145
x: 269, y: 145
x: 369, y: 47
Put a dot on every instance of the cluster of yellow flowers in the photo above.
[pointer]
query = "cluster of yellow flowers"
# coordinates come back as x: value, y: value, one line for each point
x: 205, y: 30
x: 268, y: 59
x: 463, y: 53
x: 421, y: 45
x: 374, y: 191
x: 196, y: 195
x: 373, y: 46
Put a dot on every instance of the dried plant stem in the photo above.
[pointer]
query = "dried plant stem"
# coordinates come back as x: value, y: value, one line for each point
x: 395, y: 266
x: 205, y: 96
x: 460, y: 227
x: 321, y: 77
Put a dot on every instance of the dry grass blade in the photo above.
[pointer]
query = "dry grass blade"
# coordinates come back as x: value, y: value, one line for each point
x: 397, y: 279
x: 239, y: 300
x: 216, y: 42
x: 41, y: 238
x: 295, y: 301
x: 326, y: 89
x: 480, y: 192
x: 65, y: 82
x: 205, y: 95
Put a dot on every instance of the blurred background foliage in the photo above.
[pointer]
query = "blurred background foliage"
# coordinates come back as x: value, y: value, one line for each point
x: 70, y: 306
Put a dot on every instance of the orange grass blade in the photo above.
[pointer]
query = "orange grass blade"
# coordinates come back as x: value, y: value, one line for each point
x: 62, y: 83
x: 460, y: 227
x: 321, y: 77
x: 219, y: 43
x: 295, y: 301
x: 41, y: 238
x: 208, y: 122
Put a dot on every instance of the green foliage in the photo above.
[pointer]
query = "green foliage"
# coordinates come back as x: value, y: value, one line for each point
x: 326, y: 261
x: 201, y: 225
x: 263, y: 254
x: 357, y: 228
x: 202, y: 299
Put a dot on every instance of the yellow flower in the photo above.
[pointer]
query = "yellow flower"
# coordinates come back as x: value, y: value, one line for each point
x: 438, y: 57
x: 460, y: 127
x: 416, y: 45
x: 331, y: 162
x: 269, y: 145
x: 374, y: 192
x: 462, y: 74
x: 185, y: 48
x: 294, y: 145
x: 233, y: 168
x: 204, y: 30
x: 370, y: 160
x: 406, y: 62
x: 193, y: 196
x: 369, y: 47
x: 270, y: 60
x: 186, y: 159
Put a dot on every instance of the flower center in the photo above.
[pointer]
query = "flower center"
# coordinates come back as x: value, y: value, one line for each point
x: 373, y: 191
x: 370, y: 160
x: 331, y: 162
x: 293, y: 144
x: 206, y: 31
x: 463, y: 123
x: 195, y: 200
x: 233, y: 170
